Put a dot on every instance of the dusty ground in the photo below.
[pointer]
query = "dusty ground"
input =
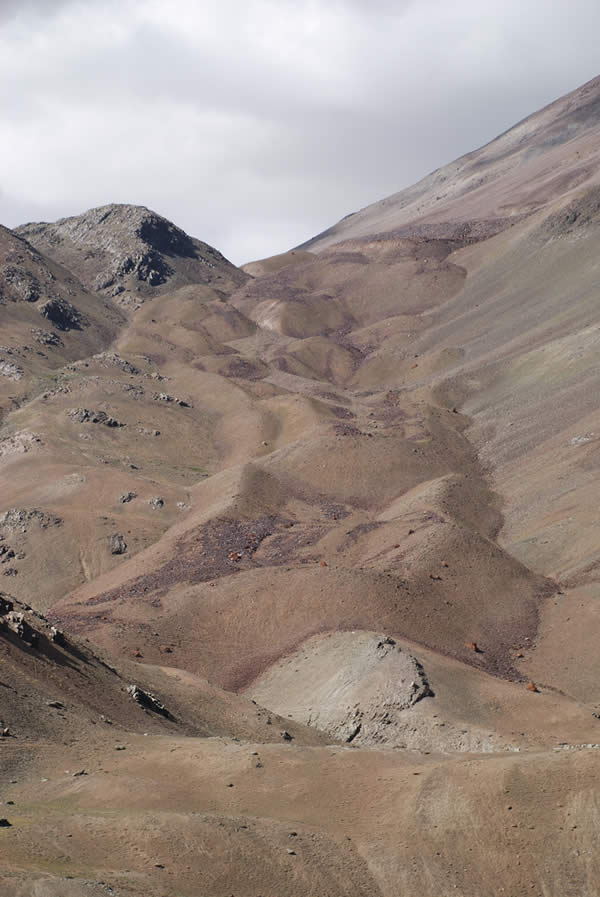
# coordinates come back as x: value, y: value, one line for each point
x: 356, y: 485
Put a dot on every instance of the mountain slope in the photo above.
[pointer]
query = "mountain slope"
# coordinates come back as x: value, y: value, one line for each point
x: 47, y: 319
x: 358, y: 486
x: 130, y: 252
x: 545, y: 156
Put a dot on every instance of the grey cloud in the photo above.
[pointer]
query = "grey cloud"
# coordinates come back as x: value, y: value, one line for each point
x: 42, y: 8
x: 369, y: 7
x: 256, y: 124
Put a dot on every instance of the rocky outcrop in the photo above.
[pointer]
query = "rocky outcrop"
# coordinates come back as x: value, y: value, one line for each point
x: 85, y: 416
x: 168, y: 399
x: 19, y: 519
x: 118, y: 545
x: 62, y: 314
x: 123, y: 248
x: 19, y: 443
x: 147, y: 700
x: 358, y: 687
x: 29, y: 277
x: 46, y: 337
x: 16, y: 622
x: 22, y: 283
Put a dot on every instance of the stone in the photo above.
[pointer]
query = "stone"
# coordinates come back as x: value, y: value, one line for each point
x: 118, y: 545
x: 156, y: 503
x: 127, y: 497
x: 57, y: 636
x: 16, y: 622
x: 147, y: 700
x: 24, y: 284
x: 62, y: 314
x: 11, y: 370
x: 18, y: 519
x: 6, y: 554
x: 84, y: 416
x: 145, y: 431
x: 166, y: 397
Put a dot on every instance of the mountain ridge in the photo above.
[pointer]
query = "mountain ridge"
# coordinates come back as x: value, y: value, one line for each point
x: 121, y: 249
x: 544, y: 131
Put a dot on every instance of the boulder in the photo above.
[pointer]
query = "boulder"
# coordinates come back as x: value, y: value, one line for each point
x: 147, y: 700
x: 118, y: 545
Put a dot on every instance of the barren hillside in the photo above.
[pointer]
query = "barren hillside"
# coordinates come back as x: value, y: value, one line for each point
x: 337, y: 513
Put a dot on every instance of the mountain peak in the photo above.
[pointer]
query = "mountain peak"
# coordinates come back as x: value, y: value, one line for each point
x: 122, y: 248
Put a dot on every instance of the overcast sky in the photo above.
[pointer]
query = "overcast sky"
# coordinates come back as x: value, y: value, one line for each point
x: 254, y: 124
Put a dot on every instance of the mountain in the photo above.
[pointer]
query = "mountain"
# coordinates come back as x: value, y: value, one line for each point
x: 130, y: 252
x: 47, y: 319
x: 546, y: 156
x: 337, y: 513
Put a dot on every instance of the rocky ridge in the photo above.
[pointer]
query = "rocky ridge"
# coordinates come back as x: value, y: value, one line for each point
x: 130, y: 252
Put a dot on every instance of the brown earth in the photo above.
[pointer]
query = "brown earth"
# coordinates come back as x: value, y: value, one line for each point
x: 357, y: 485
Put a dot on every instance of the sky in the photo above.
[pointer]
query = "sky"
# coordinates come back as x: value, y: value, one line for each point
x: 255, y: 124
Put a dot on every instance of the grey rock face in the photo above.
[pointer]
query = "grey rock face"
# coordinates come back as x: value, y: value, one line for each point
x: 16, y: 622
x: 118, y: 247
x: 118, y: 545
x: 24, y: 284
x: 147, y: 700
x: 62, y: 314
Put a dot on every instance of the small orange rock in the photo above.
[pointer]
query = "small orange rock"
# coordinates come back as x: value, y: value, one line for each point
x: 474, y: 647
x: 531, y: 686
x: 137, y: 653
x: 322, y: 563
x: 520, y: 654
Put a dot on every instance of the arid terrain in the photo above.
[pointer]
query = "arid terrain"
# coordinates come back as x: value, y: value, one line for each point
x: 299, y: 561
